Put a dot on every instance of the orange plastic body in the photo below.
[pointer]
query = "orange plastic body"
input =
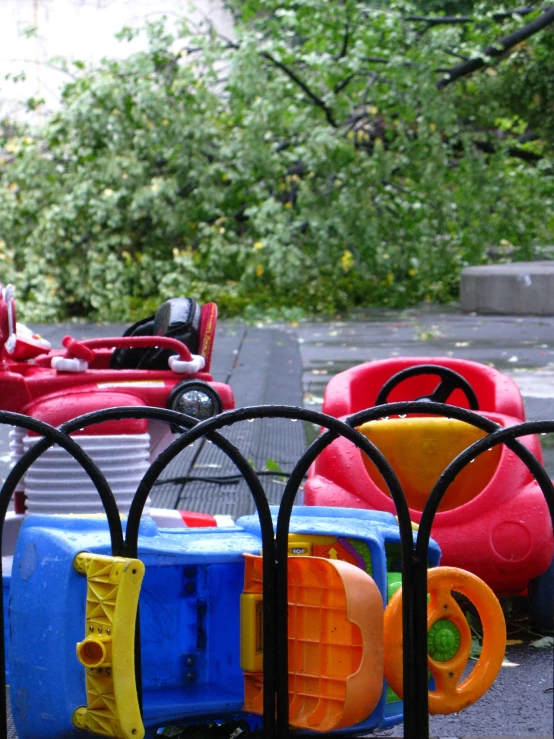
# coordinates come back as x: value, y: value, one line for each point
x: 420, y: 449
x: 335, y: 642
x: 450, y: 695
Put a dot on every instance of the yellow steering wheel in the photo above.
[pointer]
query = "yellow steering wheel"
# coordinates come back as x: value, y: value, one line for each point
x: 449, y: 640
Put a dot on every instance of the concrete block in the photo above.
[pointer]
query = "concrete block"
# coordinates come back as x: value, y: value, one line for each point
x: 519, y: 288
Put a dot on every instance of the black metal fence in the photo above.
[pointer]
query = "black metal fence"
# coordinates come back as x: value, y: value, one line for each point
x: 275, y: 543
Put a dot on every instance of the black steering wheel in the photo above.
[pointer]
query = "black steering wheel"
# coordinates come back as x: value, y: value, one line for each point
x: 449, y: 382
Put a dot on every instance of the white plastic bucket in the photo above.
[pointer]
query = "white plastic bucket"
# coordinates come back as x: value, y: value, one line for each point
x: 57, y: 484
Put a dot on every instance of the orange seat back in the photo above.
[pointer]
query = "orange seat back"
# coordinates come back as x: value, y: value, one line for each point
x: 420, y: 448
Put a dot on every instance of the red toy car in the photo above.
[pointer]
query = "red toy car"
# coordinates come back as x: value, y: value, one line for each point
x: 407, y: 378
x: 163, y: 360
x: 493, y: 520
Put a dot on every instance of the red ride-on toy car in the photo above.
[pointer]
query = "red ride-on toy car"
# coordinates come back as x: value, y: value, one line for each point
x: 493, y: 520
x: 163, y: 360
x: 463, y: 383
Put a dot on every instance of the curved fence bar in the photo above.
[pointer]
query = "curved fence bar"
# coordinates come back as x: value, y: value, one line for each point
x: 60, y: 437
x: 420, y: 406
x: 507, y: 436
x: 197, y: 430
x: 178, y: 445
x: 280, y: 639
x: 52, y: 436
x: 500, y: 436
x: 130, y: 547
x: 414, y: 578
x: 283, y: 522
x: 414, y: 590
x: 275, y: 597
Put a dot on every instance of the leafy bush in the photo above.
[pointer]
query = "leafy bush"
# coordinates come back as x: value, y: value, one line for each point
x: 312, y: 163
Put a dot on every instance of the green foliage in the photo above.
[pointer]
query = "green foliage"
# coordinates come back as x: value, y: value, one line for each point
x: 310, y: 164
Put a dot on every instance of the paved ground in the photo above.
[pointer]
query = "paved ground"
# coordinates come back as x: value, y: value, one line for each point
x: 292, y: 364
x: 521, y: 347
x: 518, y: 704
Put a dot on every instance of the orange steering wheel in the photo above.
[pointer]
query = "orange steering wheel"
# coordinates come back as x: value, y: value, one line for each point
x: 449, y: 640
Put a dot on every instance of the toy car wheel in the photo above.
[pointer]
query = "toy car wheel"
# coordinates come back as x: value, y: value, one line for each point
x: 541, y: 600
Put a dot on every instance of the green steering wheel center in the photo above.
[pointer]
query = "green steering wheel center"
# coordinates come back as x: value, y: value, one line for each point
x: 443, y: 640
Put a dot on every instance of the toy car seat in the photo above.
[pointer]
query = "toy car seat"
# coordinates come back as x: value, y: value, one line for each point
x: 493, y: 520
x: 178, y: 318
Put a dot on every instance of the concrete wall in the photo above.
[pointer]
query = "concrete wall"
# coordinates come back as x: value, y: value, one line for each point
x: 78, y: 30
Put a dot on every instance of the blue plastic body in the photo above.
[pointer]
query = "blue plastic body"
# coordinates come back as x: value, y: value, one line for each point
x: 541, y: 600
x: 189, y: 616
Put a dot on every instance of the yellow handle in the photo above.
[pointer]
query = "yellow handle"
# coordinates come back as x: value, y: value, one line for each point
x: 108, y: 650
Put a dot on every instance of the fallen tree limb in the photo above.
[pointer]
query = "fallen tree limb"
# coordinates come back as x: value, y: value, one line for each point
x: 498, y: 49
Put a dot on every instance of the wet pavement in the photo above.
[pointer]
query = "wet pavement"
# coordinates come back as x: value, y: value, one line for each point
x: 520, y: 702
x: 521, y: 347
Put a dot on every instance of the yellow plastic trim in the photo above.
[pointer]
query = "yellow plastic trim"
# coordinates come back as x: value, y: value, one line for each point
x: 313, y: 538
x: 420, y: 448
x: 415, y: 526
x: 108, y: 650
x: 301, y: 545
x: 251, y: 632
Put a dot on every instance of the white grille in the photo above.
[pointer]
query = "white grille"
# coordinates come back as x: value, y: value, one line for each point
x: 16, y: 435
x: 57, y: 484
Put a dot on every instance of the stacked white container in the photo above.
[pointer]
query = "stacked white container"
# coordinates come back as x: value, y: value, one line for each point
x: 57, y: 484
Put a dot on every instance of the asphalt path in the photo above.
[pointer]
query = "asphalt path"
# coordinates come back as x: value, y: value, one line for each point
x: 520, y: 701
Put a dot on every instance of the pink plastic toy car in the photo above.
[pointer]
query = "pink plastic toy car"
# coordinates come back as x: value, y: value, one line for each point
x: 462, y: 383
x: 493, y: 520
x: 163, y: 361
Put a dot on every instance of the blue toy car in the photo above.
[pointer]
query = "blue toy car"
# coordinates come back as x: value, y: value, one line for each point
x: 73, y: 608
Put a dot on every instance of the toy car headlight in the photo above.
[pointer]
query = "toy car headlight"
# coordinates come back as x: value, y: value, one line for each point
x: 196, y: 399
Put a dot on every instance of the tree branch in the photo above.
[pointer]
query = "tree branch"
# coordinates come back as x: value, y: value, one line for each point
x: 339, y: 87
x: 498, y: 49
x: 382, y: 60
x: 375, y: 59
x: 441, y: 20
x: 514, y: 151
x: 373, y: 77
x: 291, y: 74
x: 444, y: 20
x: 345, y: 40
x: 316, y: 100
x: 453, y: 53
